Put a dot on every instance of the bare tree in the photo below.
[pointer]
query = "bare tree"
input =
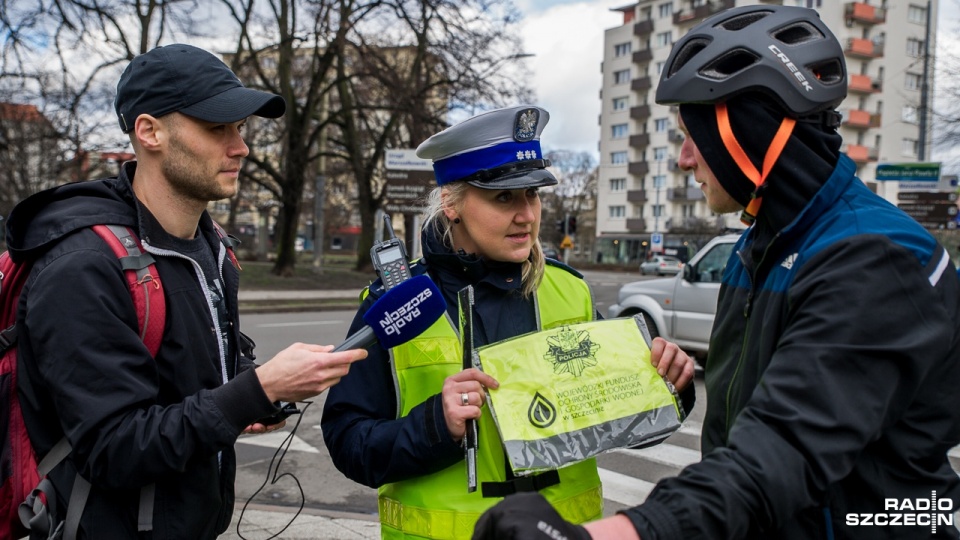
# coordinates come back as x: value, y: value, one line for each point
x: 573, y: 196
x: 375, y: 75
x: 64, y: 56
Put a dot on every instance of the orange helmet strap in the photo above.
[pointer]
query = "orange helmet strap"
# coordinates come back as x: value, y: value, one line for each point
x: 733, y: 147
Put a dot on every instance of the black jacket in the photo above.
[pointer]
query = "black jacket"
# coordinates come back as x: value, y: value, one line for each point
x: 131, y: 420
x: 832, y: 382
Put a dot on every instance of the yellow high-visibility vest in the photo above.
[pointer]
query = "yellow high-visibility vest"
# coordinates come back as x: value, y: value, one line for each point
x: 437, y: 505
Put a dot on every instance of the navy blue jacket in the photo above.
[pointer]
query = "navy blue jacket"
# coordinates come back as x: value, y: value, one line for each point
x: 131, y: 420
x: 832, y: 383
x: 366, y: 440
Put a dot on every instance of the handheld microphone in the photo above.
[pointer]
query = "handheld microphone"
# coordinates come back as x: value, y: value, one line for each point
x: 401, y: 314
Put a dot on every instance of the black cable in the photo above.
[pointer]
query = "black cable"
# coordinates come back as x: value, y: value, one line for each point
x: 273, y: 477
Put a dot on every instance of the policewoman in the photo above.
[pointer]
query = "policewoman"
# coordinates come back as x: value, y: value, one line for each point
x: 397, y: 421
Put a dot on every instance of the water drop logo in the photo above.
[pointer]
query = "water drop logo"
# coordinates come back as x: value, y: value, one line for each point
x: 541, y: 413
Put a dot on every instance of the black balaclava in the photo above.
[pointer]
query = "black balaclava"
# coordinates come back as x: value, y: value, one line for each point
x: 807, y: 160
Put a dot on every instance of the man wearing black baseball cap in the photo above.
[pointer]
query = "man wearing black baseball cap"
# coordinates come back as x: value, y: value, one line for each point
x: 191, y: 81
x: 150, y: 432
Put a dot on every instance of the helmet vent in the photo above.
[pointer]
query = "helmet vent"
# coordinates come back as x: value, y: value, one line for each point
x: 739, y: 23
x: 690, y: 49
x: 798, y: 33
x: 829, y: 72
x: 730, y: 64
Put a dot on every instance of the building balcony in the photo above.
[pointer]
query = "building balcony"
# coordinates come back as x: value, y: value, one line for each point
x: 640, y: 112
x: 863, y: 13
x: 684, y: 194
x: 643, y: 28
x: 638, y: 168
x: 687, y: 17
x: 863, y: 48
x: 637, y: 196
x: 643, y: 56
x: 675, y: 136
x: 861, y: 154
x: 865, y: 84
x: 640, y: 84
x: 860, y: 119
x: 640, y: 141
x: 636, y: 225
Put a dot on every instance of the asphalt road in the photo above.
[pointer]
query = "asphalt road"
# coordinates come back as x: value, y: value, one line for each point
x: 268, y: 476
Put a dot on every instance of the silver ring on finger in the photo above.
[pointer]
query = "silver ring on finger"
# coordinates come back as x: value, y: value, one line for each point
x: 464, y: 398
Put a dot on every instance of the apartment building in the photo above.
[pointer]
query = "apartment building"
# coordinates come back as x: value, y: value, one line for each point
x: 640, y: 189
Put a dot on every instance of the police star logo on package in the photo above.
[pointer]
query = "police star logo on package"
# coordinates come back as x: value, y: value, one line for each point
x: 571, y: 351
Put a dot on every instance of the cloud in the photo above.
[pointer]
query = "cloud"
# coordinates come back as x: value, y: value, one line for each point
x: 567, y: 41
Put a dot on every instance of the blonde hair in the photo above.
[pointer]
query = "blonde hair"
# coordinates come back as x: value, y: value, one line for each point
x: 532, y: 269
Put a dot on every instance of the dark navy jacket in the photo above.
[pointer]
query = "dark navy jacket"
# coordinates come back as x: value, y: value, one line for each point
x: 366, y: 440
x: 131, y: 420
x: 832, y: 383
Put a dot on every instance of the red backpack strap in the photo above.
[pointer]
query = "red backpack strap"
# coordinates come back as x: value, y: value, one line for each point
x: 229, y: 242
x: 143, y: 279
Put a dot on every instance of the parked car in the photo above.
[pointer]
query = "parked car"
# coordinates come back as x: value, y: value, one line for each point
x: 661, y: 265
x: 681, y: 308
x: 551, y: 253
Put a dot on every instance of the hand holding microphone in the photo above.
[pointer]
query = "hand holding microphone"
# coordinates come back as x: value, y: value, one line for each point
x: 302, y: 371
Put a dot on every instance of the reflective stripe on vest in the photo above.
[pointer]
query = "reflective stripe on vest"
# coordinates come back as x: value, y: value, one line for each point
x: 438, y: 505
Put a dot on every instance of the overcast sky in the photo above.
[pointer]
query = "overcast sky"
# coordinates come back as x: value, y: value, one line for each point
x: 566, y: 37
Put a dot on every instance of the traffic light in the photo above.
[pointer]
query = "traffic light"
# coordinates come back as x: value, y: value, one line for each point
x: 560, y: 228
x: 572, y: 225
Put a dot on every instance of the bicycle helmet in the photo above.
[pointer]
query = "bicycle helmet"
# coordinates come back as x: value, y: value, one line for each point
x: 783, y: 51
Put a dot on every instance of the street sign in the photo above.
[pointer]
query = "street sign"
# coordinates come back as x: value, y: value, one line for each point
x: 406, y: 189
x: 928, y: 212
x: 656, y: 242
x: 406, y: 160
x: 566, y: 243
x: 909, y: 172
x: 935, y: 197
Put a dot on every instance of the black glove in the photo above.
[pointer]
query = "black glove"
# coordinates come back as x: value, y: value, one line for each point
x: 526, y: 516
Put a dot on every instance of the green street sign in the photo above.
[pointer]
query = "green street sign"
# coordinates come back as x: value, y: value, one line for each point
x: 909, y: 172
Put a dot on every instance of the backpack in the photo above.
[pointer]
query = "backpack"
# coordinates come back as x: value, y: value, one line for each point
x: 21, y: 477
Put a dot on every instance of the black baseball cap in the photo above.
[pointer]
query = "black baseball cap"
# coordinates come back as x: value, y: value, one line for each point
x: 186, y: 79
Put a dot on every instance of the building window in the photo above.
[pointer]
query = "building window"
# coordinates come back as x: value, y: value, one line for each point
x: 661, y: 124
x: 914, y: 47
x: 621, y: 77
x: 617, y: 211
x: 664, y: 39
x: 621, y: 49
x: 660, y: 153
x: 814, y: 3
x: 911, y: 81
x: 917, y: 14
x: 909, y: 114
x: 666, y: 10
x: 657, y: 210
x: 618, y: 131
x: 620, y: 103
x: 659, y: 180
x: 618, y: 184
x: 910, y: 147
x: 618, y: 158
x: 659, y: 67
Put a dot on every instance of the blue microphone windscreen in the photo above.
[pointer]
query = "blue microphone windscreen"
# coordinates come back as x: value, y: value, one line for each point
x: 405, y: 311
